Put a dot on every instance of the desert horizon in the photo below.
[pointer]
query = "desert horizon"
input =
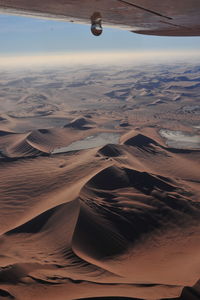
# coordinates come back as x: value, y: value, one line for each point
x: 100, y: 180
x: 97, y: 58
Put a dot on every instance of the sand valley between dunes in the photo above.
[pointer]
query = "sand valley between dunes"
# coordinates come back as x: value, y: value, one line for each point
x: 100, y: 196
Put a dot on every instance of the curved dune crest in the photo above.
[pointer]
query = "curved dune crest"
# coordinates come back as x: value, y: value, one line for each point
x: 5, y: 133
x: 37, y: 142
x: 110, y: 221
x: 110, y: 178
x: 140, y: 140
x: 81, y: 124
x: 111, y: 150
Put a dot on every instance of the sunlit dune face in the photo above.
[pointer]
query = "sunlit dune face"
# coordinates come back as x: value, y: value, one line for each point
x: 99, y: 176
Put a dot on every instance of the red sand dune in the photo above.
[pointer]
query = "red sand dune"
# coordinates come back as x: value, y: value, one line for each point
x: 120, y: 221
x: 44, y: 141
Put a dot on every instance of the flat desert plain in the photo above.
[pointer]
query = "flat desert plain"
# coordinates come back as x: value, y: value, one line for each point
x: 100, y: 183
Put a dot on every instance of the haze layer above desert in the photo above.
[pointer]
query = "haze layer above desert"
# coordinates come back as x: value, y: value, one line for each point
x: 100, y: 182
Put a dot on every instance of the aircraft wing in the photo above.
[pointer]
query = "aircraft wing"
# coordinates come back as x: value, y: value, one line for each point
x: 155, y: 17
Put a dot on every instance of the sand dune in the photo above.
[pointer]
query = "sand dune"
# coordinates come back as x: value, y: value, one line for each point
x: 118, y: 220
x: 44, y: 141
x: 81, y: 124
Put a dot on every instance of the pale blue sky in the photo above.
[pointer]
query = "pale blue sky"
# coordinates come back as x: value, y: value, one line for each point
x: 20, y: 35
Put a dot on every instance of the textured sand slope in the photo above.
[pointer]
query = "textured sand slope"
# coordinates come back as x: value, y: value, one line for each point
x: 44, y: 141
x: 121, y: 220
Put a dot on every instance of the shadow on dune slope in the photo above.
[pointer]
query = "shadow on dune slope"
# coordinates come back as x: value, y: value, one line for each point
x: 113, y: 221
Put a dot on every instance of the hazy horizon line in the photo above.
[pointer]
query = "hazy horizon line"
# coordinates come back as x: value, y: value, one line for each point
x: 96, y: 58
